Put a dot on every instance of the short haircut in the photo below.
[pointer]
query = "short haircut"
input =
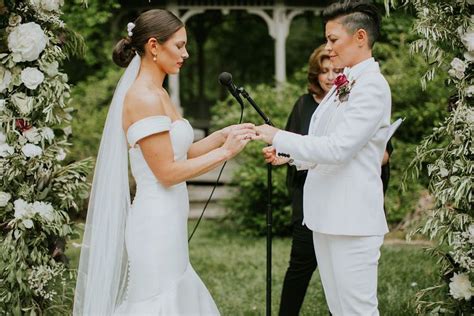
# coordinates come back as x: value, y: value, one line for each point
x: 315, y: 65
x: 355, y: 15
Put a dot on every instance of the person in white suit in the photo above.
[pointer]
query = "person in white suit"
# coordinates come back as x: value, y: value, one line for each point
x: 343, y: 196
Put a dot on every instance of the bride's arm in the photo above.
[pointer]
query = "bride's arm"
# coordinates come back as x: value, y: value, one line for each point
x: 214, y: 140
x: 206, y: 144
x: 158, y: 151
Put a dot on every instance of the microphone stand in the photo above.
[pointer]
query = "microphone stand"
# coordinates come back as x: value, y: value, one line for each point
x: 244, y: 93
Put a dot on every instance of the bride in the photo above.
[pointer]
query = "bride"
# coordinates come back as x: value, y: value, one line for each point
x: 134, y: 258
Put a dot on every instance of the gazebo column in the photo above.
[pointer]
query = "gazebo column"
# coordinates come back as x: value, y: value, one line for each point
x: 173, y: 80
x: 278, y: 28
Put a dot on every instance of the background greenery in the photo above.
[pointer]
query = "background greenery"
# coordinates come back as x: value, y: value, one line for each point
x: 250, y: 60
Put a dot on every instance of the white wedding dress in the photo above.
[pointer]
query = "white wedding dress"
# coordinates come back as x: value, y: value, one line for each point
x: 161, y: 280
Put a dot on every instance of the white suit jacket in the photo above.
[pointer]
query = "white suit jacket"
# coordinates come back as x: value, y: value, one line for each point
x: 343, y: 152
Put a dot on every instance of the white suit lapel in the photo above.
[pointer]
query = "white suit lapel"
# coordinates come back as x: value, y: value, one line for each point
x: 323, y: 106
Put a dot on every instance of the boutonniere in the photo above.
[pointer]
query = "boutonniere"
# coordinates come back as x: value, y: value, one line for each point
x: 343, y: 87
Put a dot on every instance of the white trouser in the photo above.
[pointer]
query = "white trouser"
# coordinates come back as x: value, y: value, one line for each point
x: 348, y: 270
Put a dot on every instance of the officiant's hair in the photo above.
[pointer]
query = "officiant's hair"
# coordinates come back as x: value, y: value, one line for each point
x: 354, y: 15
x: 156, y: 23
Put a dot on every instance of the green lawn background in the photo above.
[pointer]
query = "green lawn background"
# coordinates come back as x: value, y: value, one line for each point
x: 233, y: 268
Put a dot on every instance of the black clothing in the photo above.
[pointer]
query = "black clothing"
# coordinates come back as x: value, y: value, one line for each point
x: 385, y: 175
x: 302, y: 257
x: 299, y: 273
x: 298, y: 122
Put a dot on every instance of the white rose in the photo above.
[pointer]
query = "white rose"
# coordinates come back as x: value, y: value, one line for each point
x: 32, y: 77
x: 458, y: 65
x: 469, y: 56
x: 47, y: 133
x: 5, y: 78
x: 45, y: 210
x: 4, y: 198
x: 456, y: 74
x: 14, y: 20
x: 22, y: 208
x: 460, y: 287
x: 471, y: 233
x: 32, y: 135
x: 23, y: 103
x: 28, y: 223
x: 2, y: 105
x: 61, y: 155
x: 51, y: 69
x: 51, y: 5
x: 27, y: 41
x: 6, y: 150
x: 470, y: 91
x: 30, y: 150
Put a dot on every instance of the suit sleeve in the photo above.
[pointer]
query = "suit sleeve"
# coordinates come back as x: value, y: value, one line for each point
x: 363, y: 117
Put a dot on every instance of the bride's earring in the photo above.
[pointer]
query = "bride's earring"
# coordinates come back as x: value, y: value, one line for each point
x: 154, y: 57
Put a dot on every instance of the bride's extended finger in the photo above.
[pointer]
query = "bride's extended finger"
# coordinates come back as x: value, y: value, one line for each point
x: 246, y: 131
x: 245, y: 126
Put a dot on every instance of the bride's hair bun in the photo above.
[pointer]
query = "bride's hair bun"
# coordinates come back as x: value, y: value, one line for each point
x: 156, y: 23
x: 123, y: 52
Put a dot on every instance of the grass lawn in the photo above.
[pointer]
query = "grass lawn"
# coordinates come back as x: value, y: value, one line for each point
x: 233, y: 268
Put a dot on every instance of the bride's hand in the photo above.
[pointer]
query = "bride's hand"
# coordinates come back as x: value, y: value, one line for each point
x: 226, y: 130
x: 237, y: 139
x: 269, y: 153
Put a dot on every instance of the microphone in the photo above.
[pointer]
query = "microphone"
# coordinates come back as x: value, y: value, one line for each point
x: 225, y: 79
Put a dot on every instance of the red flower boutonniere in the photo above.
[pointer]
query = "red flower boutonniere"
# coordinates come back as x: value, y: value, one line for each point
x: 343, y: 87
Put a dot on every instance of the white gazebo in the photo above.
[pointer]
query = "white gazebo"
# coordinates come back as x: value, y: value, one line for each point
x: 277, y: 14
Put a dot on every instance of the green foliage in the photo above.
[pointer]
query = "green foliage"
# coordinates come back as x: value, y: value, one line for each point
x: 91, y: 99
x: 38, y: 190
x: 248, y: 207
x: 445, y: 29
x: 93, y: 21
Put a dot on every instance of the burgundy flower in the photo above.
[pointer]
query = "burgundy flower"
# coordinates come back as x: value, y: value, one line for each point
x: 341, y: 80
x: 22, y: 125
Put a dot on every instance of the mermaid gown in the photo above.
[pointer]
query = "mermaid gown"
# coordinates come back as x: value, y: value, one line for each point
x: 161, y: 280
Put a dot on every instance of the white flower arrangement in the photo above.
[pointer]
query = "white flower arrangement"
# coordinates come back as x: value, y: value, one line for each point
x: 445, y: 34
x: 30, y: 150
x: 23, y: 103
x: 4, y: 198
x: 37, y: 189
x: 5, y: 78
x: 51, y: 69
x: 458, y: 68
x: 31, y: 77
x: 32, y: 135
x: 6, y: 150
x: 47, y: 133
x: 48, y: 5
x: 460, y: 287
x: 27, y: 41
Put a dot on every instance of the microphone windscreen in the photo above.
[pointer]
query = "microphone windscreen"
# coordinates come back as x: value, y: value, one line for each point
x: 225, y: 78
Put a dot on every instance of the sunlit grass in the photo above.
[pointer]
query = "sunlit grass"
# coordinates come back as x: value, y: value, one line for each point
x: 233, y: 268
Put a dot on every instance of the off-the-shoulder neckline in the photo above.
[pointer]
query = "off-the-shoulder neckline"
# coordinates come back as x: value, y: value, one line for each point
x: 155, y: 116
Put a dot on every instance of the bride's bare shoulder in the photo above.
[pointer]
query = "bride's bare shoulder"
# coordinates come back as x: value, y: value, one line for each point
x: 141, y: 102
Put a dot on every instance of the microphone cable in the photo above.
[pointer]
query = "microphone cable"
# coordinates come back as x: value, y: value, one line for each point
x: 214, y: 188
